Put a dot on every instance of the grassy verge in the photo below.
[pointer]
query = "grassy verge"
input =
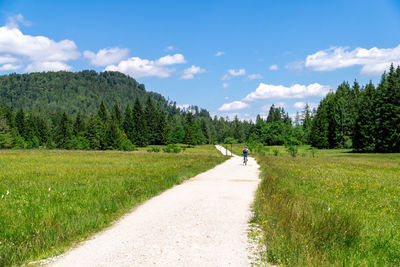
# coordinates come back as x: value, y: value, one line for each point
x: 49, y: 199
x: 337, y: 209
x: 199, y: 149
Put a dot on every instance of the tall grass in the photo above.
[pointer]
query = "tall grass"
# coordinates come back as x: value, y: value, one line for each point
x: 333, y: 210
x: 49, y: 199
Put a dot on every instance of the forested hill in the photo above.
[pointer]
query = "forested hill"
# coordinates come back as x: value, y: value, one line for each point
x: 72, y: 92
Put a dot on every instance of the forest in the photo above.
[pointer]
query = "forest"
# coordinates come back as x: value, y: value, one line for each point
x: 112, y: 111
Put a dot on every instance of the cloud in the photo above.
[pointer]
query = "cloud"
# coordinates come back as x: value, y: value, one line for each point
x: 239, y: 72
x: 269, y: 91
x: 47, y: 66
x: 169, y: 48
x: 295, y: 65
x: 372, y: 61
x: 236, y: 105
x: 106, y: 56
x: 171, y: 60
x: 138, y: 68
x: 9, y: 66
x: 254, y: 76
x: 14, y: 21
x: 219, y: 53
x: 188, y: 74
x: 225, y: 85
x: 184, y: 106
x: 233, y: 73
x: 36, y: 51
x: 273, y: 67
x: 302, y: 105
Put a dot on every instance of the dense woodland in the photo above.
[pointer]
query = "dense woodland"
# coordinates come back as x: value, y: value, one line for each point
x: 109, y: 110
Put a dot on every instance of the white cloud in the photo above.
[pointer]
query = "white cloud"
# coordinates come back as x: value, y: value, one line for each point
x: 47, y: 66
x: 188, y: 74
x: 7, y: 59
x: 14, y: 21
x: 295, y: 65
x: 106, y: 56
x: 302, y: 105
x: 219, y: 53
x: 38, y: 52
x: 225, y: 85
x: 273, y: 67
x: 138, y: 68
x: 254, y: 76
x: 269, y: 91
x: 236, y: 105
x: 184, y: 106
x: 169, y: 48
x: 239, y: 72
x: 171, y: 60
x: 372, y: 61
x: 232, y: 73
x: 10, y: 66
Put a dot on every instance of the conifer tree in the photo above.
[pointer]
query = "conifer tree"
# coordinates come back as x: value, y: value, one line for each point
x: 5, y: 134
x: 140, y: 128
x: 20, y: 122
x: 79, y: 126
x: 63, y: 132
x: 150, y: 116
x: 92, y: 134
x: 190, y: 138
x: 102, y: 113
x: 116, y: 115
x: 364, y: 130
x: 127, y: 124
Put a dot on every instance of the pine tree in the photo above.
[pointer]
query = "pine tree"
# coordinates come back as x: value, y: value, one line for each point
x: 238, y: 133
x: 140, y: 128
x: 320, y: 126
x: 92, y: 134
x: 102, y: 113
x: 150, y: 116
x: 116, y: 115
x: 127, y: 124
x: 189, y: 138
x: 307, y: 124
x: 79, y: 126
x: 364, y: 130
x: 113, y: 136
x: 5, y: 134
x: 63, y: 132
x: 20, y: 122
x: 161, y: 129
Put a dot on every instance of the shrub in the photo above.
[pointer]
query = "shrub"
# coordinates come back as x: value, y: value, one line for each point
x: 172, y: 148
x: 153, y: 149
x: 276, y: 152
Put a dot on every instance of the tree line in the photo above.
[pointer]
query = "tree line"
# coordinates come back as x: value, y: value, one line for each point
x: 366, y: 119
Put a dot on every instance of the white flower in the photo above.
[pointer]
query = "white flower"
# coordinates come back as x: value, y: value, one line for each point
x: 49, y: 189
x: 329, y: 208
x: 2, y: 196
x: 8, y: 192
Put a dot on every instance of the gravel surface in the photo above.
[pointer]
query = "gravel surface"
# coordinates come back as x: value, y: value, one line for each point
x: 202, y: 222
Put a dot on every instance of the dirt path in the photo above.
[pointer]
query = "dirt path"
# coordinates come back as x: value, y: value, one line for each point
x: 202, y: 222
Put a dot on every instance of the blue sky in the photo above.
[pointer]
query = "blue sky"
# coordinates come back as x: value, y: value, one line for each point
x: 230, y: 57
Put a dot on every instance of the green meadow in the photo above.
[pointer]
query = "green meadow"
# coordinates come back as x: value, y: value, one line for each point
x: 51, y: 199
x: 334, y: 209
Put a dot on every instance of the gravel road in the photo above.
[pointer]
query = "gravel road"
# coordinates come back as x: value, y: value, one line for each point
x: 202, y: 222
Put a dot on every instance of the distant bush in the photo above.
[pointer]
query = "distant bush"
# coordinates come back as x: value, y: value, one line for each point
x: 172, y: 148
x: 313, y: 151
x: 153, y: 149
x: 276, y: 152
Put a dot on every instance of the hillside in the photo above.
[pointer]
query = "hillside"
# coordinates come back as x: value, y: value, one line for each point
x: 71, y: 92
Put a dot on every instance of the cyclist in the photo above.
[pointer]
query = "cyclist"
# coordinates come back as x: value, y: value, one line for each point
x: 245, y: 153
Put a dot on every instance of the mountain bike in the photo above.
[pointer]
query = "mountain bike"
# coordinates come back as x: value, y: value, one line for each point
x: 245, y: 161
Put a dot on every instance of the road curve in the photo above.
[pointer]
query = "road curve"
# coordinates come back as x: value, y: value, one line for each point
x: 202, y: 222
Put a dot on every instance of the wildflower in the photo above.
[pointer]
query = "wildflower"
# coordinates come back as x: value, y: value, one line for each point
x: 49, y: 189
x: 2, y: 196
x: 329, y: 208
x: 8, y: 192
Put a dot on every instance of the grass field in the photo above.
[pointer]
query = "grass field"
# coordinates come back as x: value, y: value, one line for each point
x: 49, y: 199
x: 334, y: 209
x: 200, y: 149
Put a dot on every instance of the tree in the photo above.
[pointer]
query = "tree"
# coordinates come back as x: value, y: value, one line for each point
x: 102, y: 113
x: 150, y: 116
x: 140, y: 127
x: 128, y: 125
x: 307, y: 124
x: 177, y: 135
x: 63, y: 132
x: 113, y: 136
x: 79, y: 125
x: 189, y: 138
x: 364, y: 130
x: 116, y: 115
x: 5, y: 134
x: 20, y: 122
x: 92, y: 134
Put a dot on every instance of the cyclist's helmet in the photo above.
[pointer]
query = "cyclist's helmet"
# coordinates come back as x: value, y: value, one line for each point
x: 245, y: 146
